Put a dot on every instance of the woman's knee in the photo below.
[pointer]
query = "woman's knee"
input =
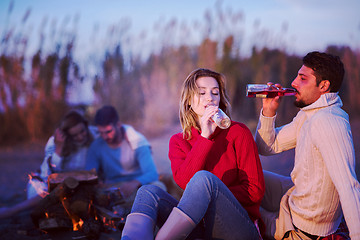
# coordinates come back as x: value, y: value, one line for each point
x: 147, y: 195
x: 203, y: 174
x: 150, y: 190
x: 205, y: 178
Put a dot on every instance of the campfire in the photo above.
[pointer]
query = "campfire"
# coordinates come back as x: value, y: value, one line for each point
x: 75, y: 203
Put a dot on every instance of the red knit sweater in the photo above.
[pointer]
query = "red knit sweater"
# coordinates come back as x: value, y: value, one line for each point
x: 230, y: 154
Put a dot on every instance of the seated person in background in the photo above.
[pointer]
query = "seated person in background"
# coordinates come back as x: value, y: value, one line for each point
x: 122, y: 158
x: 219, y: 170
x: 65, y: 151
x: 324, y: 187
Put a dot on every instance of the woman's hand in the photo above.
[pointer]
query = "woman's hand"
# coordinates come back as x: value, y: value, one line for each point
x: 207, y: 125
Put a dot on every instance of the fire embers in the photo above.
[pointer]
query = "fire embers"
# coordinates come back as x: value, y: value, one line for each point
x: 70, y: 206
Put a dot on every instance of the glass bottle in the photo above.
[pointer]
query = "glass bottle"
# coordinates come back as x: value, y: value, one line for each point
x: 221, y: 119
x: 266, y: 91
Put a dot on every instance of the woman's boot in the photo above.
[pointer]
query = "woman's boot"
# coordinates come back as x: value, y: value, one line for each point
x: 138, y: 226
x: 177, y: 226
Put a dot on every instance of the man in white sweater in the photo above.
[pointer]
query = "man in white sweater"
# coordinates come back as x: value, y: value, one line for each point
x: 323, y: 186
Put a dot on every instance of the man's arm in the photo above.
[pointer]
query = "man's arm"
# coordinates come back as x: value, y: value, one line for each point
x: 92, y: 158
x: 271, y: 140
x: 147, y: 165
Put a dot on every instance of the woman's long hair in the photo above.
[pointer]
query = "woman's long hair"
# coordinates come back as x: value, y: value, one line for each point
x: 70, y: 120
x: 188, y: 118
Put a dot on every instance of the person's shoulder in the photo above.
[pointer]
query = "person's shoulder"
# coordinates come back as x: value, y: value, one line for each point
x: 97, y: 143
x: 128, y: 127
x: 238, y: 130
x: 131, y: 132
x: 331, y: 114
x: 238, y: 126
x: 93, y: 131
x: 329, y: 118
x: 177, y: 136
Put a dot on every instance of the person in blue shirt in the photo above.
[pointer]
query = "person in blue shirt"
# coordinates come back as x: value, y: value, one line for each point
x: 121, y: 157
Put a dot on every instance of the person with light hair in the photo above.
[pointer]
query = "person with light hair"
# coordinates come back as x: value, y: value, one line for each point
x: 219, y: 170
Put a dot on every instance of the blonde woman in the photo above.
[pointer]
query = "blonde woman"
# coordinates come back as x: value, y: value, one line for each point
x: 219, y: 169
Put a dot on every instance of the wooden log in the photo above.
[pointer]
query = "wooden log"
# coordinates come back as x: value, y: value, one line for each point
x: 72, y: 198
x: 81, y: 176
x: 53, y: 223
x: 53, y: 204
x: 105, y: 213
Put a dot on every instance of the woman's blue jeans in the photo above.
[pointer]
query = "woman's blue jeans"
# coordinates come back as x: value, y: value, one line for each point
x: 205, y: 198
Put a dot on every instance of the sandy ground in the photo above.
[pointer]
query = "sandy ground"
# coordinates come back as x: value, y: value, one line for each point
x: 18, y: 161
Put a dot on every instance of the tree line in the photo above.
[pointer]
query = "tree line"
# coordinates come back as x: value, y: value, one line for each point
x: 34, y: 92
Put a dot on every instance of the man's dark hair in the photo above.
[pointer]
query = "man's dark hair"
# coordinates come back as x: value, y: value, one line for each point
x: 106, y: 115
x: 326, y: 67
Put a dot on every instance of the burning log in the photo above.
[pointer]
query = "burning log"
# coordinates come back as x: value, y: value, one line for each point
x: 69, y: 203
x: 50, y: 207
x: 110, y: 219
x: 77, y: 202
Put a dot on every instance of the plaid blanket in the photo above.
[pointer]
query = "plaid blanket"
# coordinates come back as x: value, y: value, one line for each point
x: 341, y: 234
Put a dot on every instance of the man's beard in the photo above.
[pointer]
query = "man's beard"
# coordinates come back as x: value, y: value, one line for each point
x: 117, y: 137
x: 300, y: 104
x: 111, y: 141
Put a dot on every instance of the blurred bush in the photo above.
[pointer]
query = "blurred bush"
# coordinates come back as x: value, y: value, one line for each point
x: 34, y: 92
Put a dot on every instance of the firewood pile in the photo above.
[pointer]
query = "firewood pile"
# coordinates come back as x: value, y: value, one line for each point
x: 77, y: 206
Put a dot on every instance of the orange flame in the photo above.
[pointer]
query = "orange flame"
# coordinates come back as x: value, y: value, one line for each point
x: 77, y: 225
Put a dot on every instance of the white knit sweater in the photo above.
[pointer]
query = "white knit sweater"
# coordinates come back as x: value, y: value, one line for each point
x: 324, y: 168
